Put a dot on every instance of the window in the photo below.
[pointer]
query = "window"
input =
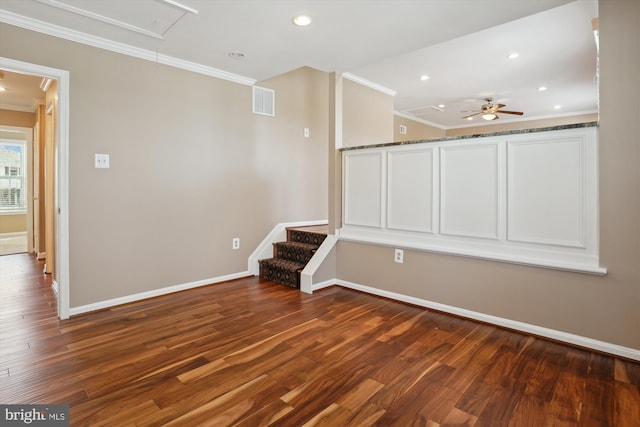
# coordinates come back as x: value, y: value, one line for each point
x: 13, y: 183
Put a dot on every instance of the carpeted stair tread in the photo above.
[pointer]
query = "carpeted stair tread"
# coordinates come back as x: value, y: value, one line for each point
x: 294, y: 251
x: 306, y: 237
x: 281, y: 271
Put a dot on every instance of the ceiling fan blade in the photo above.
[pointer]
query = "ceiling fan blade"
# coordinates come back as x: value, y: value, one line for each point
x: 499, y: 106
x: 471, y: 115
x: 518, y: 113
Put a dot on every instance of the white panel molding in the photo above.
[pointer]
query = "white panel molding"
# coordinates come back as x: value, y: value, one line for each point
x: 364, y: 189
x: 101, y: 43
x: 573, y: 339
x: 447, y: 191
x: 101, y: 305
x: 494, y: 241
x: 401, y: 192
x: 516, y: 229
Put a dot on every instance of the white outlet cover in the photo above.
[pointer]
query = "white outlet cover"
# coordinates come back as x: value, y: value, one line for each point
x: 102, y: 161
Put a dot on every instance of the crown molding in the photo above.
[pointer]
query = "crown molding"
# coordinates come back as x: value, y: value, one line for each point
x: 369, y: 84
x: 101, y: 43
x: 418, y: 119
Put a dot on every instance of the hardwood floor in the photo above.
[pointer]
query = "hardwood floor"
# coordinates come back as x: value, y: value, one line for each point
x: 247, y: 353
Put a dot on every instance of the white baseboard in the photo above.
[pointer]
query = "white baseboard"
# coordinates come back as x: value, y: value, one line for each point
x: 73, y: 311
x: 577, y: 340
x: 41, y: 255
x: 55, y: 289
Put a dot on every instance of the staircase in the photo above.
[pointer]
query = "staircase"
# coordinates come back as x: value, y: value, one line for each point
x: 290, y: 257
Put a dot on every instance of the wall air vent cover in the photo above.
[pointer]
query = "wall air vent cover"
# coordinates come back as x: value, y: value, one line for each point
x: 264, y: 101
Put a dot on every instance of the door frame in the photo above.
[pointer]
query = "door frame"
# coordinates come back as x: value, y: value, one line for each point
x: 61, y: 173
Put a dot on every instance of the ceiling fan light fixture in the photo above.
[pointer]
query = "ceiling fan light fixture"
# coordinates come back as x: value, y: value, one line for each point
x: 490, y: 116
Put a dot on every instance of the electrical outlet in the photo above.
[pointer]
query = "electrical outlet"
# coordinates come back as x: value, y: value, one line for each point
x: 102, y: 161
x: 235, y: 243
x: 399, y: 256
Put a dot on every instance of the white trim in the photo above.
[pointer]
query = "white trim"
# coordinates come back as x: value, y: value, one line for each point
x: 277, y: 234
x: 55, y: 289
x: 369, y: 84
x: 101, y: 305
x: 41, y: 255
x: 89, y: 40
x: 565, y: 337
x: 418, y: 119
x: 62, y: 170
x: 306, y: 277
x: 101, y: 18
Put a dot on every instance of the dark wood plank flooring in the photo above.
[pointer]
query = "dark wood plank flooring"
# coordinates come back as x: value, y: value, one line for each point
x: 251, y: 353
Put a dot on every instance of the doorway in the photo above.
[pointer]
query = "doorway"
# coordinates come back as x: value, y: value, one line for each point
x: 16, y: 189
x: 59, y: 175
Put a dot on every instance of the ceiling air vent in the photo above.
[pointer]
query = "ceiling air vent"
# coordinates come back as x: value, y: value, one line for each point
x: 264, y: 101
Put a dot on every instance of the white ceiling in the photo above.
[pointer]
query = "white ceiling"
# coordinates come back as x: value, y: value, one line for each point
x: 461, y: 44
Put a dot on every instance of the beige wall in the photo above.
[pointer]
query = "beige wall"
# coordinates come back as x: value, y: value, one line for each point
x: 603, y: 308
x: 17, y: 118
x: 367, y: 115
x: 416, y: 131
x: 191, y: 167
x: 13, y: 223
x: 530, y: 124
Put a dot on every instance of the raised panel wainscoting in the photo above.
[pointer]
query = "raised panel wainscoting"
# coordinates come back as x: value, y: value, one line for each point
x: 528, y: 198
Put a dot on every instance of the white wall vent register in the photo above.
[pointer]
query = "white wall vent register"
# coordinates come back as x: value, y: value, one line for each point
x: 264, y: 101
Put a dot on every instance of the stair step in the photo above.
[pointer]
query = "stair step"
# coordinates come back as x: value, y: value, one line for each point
x: 281, y: 271
x: 303, y: 236
x: 294, y: 251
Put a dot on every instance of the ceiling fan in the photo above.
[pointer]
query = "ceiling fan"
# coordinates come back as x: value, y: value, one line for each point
x: 489, y: 111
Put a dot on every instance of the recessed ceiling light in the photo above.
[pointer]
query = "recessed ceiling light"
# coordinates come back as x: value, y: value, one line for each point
x: 236, y: 55
x: 557, y: 107
x: 441, y: 106
x: 424, y: 77
x: 513, y: 55
x: 2, y: 89
x: 469, y: 118
x: 302, y: 20
x: 542, y: 88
